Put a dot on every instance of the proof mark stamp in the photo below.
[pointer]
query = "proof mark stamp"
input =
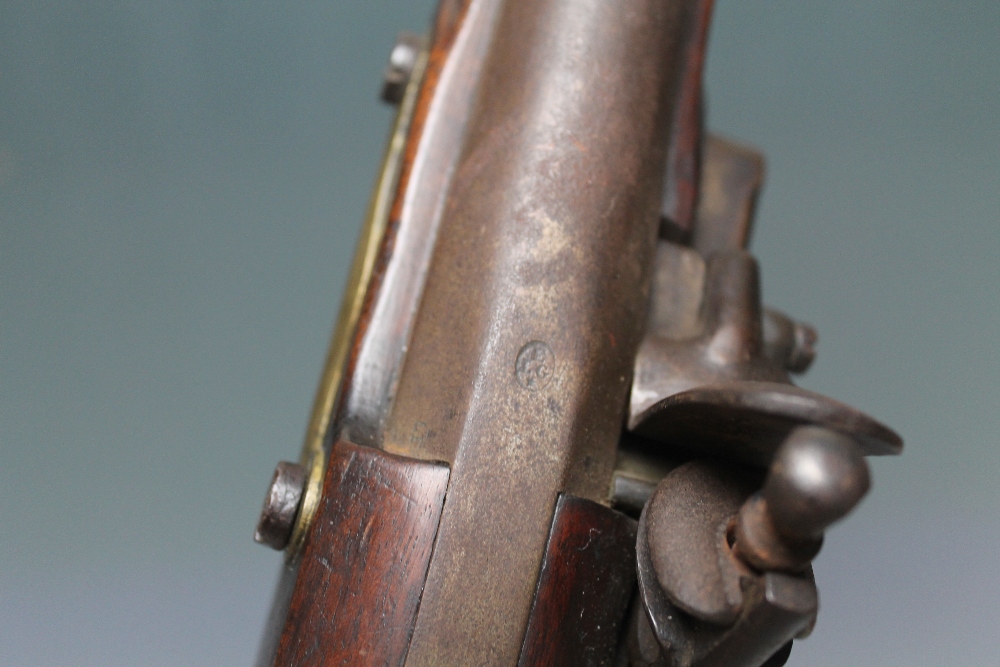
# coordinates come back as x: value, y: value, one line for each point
x: 535, y: 365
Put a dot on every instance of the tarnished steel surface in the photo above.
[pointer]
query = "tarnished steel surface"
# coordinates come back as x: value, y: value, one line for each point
x: 782, y: 655
x: 629, y: 494
x: 281, y: 504
x: 641, y: 645
x: 458, y: 47
x: 758, y: 543
x: 724, y: 576
x: 586, y: 583
x: 520, y: 360
x: 777, y: 607
x: 490, y: 340
x: 363, y: 562
x: 686, y: 521
x: 680, y: 192
x: 704, y: 338
x: 732, y: 176
x: 816, y: 478
x: 637, y: 472
x: 749, y: 420
x: 678, y: 289
x: 707, y: 382
x: 772, y: 607
x: 790, y: 344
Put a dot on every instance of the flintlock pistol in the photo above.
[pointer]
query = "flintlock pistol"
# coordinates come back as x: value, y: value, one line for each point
x: 556, y: 424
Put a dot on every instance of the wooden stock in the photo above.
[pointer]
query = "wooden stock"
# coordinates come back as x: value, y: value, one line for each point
x: 585, y: 586
x: 463, y: 516
x: 364, y: 560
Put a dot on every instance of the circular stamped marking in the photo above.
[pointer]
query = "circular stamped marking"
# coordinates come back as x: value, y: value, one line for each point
x: 535, y: 365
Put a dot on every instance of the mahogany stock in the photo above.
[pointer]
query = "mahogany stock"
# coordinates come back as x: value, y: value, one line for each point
x: 585, y: 587
x: 463, y: 515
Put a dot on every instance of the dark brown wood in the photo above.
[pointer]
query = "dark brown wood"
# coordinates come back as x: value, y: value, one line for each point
x: 583, y: 594
x: 364, y: 561
x: 391, y: 296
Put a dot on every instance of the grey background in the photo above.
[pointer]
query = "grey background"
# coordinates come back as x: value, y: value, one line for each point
x: 181, y: 184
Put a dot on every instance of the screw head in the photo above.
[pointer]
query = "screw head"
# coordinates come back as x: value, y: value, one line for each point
x: 787, y: 343
x: 402, y: 60
x: 281, y: 505
x: 804, y: 350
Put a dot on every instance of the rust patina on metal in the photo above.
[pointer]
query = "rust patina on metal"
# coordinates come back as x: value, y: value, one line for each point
x: 458, y: 48
x: 521, y: 357
x: 555, y: 328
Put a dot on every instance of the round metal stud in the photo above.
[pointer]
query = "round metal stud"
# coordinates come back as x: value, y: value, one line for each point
x: 402, y: 61
x: 281, y: 506
x: 817, y: 477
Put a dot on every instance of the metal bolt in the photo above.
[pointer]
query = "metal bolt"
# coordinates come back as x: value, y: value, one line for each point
x: 281, y: 505
x: 790, y: 344
x: 402, y: 60
x: 804, y: 350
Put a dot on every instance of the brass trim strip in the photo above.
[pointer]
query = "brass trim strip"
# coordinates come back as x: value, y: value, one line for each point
x: 313, y: 457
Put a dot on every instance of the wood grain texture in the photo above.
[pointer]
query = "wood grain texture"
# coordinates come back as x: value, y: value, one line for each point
x: 364, y: 561
x: 587, y: 580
